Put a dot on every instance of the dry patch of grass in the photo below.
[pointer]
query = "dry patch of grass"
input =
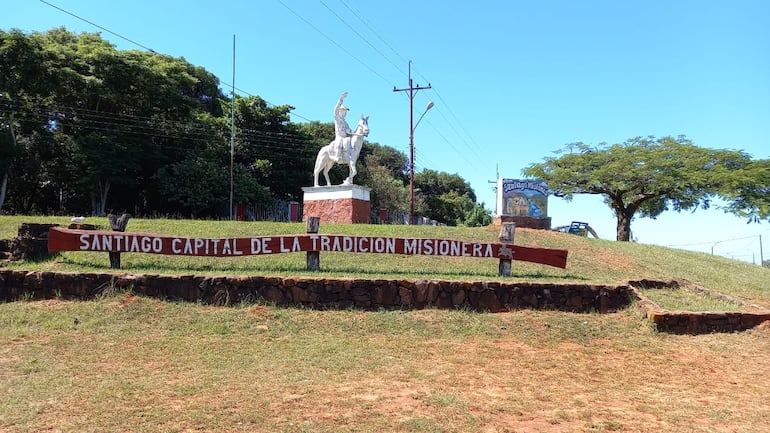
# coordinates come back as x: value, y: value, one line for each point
x: 131, y: 364
x: 683, y: 299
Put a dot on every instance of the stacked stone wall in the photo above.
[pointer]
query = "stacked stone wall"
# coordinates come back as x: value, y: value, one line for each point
x: 491, y: 296
x: 696, y: 322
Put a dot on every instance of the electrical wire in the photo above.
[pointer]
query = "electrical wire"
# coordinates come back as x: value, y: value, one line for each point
x: 475, y: 152
x: 140, y: 127
x: 224, y: 83
x: 374, y: 31
x: 356, y: 32
x: 100, y: 27
x: 330, y: 39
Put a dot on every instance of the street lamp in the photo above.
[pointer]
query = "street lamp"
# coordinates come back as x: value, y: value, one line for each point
x: 430, y: 105
x: 411, y: 158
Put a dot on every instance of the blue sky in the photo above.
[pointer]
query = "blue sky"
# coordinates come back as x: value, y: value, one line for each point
x: 512, y: 81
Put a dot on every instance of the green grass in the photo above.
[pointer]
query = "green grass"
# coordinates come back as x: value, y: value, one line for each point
x: 126, y: 363
x: 589, y: 261
x: 679, y: 299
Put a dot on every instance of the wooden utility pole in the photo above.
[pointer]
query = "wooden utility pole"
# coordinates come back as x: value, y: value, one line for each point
x: 412, y: 90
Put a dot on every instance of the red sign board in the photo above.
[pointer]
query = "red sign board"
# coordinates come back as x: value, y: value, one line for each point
x: 61, y: 239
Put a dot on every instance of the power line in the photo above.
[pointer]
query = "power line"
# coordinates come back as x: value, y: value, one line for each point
x: 371, y: 28
x: 154, y: 52
x: 711, y: 242
x: 330, y: 39
x: 146, y: 127
x: 355, y: 13
x: 353, y: 29
x: 103, y: 28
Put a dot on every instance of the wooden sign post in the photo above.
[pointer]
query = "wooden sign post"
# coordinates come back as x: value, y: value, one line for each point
x: 313, y: 257
x: 506, y: 237
x: 118, y: 225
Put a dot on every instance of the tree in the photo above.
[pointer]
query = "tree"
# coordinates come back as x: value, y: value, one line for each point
x: 749, y: 191
x: 645, y: 176
x: 21, y: 78
x: 449, y: 198
x: 81, y: 119
x: 388, y: 192
x: 265, y: 138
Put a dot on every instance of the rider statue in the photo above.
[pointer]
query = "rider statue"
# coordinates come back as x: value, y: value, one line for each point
x: 341, y: 130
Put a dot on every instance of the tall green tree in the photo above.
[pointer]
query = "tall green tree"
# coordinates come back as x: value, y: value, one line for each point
x: 96, y: 120
x: 449, y: 198
x: 645, y: 176
x: 23, y: 82
x: 271, y: 148
x: 388, y: 192
x: 749, y: 191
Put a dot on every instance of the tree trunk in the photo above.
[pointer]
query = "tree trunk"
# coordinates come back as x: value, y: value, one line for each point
x: 105, y: 191
x: 624, y: 226
x: 3, y: 187
x: 4, y: 184
x: 99, y: 203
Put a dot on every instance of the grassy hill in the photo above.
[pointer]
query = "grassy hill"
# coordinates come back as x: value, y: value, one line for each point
x: 589, y: 260
x: 126, y: 363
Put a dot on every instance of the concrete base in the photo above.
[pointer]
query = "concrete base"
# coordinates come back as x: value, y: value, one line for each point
x: 338, y: 204
x: 523, y: 222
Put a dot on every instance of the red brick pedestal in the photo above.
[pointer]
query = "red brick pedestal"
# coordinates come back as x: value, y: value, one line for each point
x: 338, y: 204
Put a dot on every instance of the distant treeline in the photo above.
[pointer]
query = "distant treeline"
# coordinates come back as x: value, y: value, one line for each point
x: 89, y: 129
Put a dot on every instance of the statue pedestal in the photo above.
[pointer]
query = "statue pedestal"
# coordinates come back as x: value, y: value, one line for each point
x: 337, y: 204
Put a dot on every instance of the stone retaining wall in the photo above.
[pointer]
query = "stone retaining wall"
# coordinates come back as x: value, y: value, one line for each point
x: 697, y: 322
x: 386, y: 294
x: 322, y: 292
x: 683, y: 322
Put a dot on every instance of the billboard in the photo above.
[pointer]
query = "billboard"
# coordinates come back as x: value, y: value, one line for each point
x: 522, y: 197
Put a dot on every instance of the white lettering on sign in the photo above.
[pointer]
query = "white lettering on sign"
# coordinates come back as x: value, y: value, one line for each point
x: 285, y: 244
x: 79, y: 240
x: 261, y: 245
x: 351, y: 244
x: 124, y: 243
x: 444, y: 247
x: 295, y: 245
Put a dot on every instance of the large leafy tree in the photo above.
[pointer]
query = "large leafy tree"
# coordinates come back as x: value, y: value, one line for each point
x: 23, y: 83
x: 271, y: 148
x: 383, y: 171
x: 648, y: 176
x: 449, y: 198
x: 749, y: 193
x: 89, y: 119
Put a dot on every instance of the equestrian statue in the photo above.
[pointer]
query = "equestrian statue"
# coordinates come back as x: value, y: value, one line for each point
x: 345, y: 147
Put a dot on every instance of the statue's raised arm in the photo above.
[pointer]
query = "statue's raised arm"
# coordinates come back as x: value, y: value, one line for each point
x: 341, y: 127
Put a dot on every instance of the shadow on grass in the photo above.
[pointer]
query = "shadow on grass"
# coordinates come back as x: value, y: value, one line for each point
x: 328, y: 271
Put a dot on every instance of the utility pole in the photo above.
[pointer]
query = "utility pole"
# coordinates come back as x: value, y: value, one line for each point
x: 412, y: 90
x: 232, y: 136
x: 494, y: 188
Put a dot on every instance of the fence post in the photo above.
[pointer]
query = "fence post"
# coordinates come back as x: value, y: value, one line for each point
x: 118, y: 225
x: 506, y: 237
x: 313, y: 257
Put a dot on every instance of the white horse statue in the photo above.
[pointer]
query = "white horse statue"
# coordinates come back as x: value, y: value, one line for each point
x: 351, y: 148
